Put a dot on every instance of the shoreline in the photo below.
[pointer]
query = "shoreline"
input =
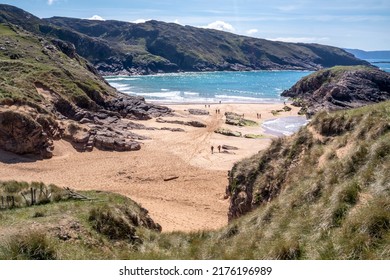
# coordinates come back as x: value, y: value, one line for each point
x: 167, y: 103
x: 214, y: 71
x: 192, y: 202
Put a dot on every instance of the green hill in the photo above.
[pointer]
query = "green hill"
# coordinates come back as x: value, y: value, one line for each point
x: 115, y: 47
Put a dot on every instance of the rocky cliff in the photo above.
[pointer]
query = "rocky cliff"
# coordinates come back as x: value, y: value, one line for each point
x: 115, y: 47
x: 340, y: 88
x: 48, y: 92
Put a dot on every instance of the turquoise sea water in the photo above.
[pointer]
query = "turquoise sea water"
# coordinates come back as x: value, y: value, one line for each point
x: 383, y: 64
x: 207, y: 87
x: 227, y: 87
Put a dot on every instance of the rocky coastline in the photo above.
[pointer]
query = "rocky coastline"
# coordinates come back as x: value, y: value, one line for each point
x: 340, y: 88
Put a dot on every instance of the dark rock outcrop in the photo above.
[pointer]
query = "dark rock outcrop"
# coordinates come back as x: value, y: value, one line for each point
x: 21, y: 134
x: 238, y: 120
x: 340, y: 88
x: 66, y: 47
x: 135, y: 107
x: 227, y: 147
x: 189, y: 123
x: 199, y: 112
x: 228, y: 132
x: 175, y: 129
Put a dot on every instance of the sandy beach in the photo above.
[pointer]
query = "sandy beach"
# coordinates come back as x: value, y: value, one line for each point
x: 194, y: 201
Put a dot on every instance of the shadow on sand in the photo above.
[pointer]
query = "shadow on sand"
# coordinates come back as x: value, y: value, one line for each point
x: 11, y: 158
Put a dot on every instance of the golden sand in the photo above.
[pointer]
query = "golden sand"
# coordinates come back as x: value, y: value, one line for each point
x: 194, y: 201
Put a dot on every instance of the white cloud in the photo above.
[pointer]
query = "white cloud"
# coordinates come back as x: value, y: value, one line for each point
x: 300, y: 39
x: 177, y: 21
x: 140, y: 20
x: 220, y: 25
x: 252, y: 31
x: 50, y: 2
x: 96, y: 17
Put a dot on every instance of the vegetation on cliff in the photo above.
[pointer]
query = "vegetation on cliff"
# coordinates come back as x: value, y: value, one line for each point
x: 340, y: 87
x: 48, y: 92
x: 323, y: 193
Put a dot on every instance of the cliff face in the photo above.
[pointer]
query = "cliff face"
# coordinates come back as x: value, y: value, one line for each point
x: 115, y: 47
x: 340, y: 88
x: 47, y: 92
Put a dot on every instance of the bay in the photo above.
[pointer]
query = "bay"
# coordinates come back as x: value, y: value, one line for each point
x: 210, y: 87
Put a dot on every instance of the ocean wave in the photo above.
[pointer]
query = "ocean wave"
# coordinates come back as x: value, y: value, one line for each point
x: 121, y: 87
x: 190, y: 93
x: 235, y: 98
x: 120, y: 78
x: 286, y: 125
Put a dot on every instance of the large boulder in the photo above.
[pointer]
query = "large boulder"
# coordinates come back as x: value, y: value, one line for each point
x: 21, y: 134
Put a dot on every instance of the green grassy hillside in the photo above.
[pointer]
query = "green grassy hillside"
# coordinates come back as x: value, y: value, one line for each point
x: 28, y: 60
x: 158, y: 46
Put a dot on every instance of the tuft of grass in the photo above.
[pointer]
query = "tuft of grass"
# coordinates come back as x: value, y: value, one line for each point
x: 110, y: 224
x: 34, y: 246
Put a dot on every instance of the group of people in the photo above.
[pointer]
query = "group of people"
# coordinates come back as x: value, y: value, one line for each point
x: 212, y: 149
x: 258, y: 115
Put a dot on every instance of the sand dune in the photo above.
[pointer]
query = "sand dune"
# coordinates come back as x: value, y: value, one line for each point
x: 194, y: 201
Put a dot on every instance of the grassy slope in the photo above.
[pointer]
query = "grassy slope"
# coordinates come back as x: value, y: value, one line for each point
x: 330, y: 200
x: 328, y: 186
x: 37, y: 63
x: 332, y: 75
x: 105, y: 227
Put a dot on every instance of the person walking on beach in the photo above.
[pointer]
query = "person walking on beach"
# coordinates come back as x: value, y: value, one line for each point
x: 219, y: 148
x: 212, y: 149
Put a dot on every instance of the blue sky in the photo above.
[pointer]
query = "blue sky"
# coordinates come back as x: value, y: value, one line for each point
x: 344, y: 23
